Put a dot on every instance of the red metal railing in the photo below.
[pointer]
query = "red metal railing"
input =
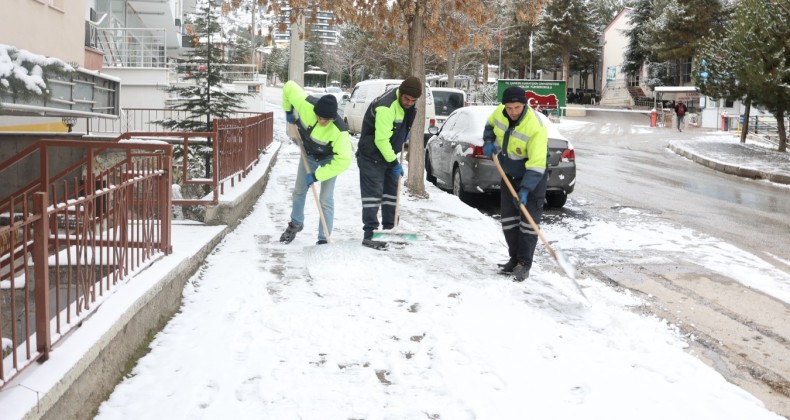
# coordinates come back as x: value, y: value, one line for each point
x: 96, y: 221
x: 239, y: 145
x: 145, y: 120
x: 75, y: 238
x: 236, y: 145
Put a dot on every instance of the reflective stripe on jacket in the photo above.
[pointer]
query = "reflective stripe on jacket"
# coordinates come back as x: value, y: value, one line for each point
x: 385, y: 127
x: 525, y: 146
x: 319, y: 142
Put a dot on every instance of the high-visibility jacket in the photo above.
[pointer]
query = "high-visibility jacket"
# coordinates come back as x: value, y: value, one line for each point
x: 320, y: 142
x: 524, y: 144
x: 385, y: 127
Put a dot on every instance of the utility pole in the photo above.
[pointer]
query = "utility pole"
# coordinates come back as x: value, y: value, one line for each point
x: 208, y: 90
x: 530, y: 55
x: 253, y: 60
x: 499, y: 69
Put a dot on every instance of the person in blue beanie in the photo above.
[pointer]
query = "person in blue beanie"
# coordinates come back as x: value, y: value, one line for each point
x: 327, y: 148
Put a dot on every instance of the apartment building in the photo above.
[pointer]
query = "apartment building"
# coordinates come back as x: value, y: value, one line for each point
x: 323, y: 27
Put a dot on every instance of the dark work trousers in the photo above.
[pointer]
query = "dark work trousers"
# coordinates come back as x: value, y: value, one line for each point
x: 520, y: 237
x: 379, y: 188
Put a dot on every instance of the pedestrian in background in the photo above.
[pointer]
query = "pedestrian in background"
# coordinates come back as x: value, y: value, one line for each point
x: 520, y: 138
x: 385, y: 128
x: 327, y: 149
x: 680, y: 111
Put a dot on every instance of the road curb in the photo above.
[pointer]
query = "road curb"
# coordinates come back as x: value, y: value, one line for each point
x: 730, y: 168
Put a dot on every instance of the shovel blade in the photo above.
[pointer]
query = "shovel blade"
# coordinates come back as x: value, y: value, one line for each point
x: 569, y: 270
x: 395, y: 236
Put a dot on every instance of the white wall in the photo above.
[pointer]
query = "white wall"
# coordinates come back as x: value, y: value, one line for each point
x: 615, y: 45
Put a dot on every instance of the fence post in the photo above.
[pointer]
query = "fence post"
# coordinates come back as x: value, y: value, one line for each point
x: 41, y: 273
x: 166, y: 203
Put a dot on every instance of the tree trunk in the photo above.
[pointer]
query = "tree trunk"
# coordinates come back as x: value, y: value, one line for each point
x: 566, y: 66
x: 485, y: 73
x: 451, y: 58
x: 745, y: 127
x: 780, y: 125
x: 415, y: 181
x: 296, y: 48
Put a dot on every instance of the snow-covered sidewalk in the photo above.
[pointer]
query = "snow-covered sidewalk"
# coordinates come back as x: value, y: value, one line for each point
x: 430, y: 330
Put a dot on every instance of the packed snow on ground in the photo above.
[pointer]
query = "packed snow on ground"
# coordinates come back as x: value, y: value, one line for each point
x: 424, y: 331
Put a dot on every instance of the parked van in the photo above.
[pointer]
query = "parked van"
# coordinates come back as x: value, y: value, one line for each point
x: 365, y: 92
x: 445, y: 101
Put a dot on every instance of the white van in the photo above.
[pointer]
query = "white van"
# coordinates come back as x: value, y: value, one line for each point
x: 366, y: 91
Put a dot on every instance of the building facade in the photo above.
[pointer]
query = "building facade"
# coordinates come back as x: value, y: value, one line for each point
x: 323, y: 27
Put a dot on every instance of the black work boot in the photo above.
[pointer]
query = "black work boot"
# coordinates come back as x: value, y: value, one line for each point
x: 290, y: 233
x: 370, y: 243
x: 507, y: 267
x: 321, y: 242
x: 520, y: 272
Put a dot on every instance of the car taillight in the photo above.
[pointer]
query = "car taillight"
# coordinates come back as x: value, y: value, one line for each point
x: 477, y: 152
x: 432, y: 122
x: 568, y: 155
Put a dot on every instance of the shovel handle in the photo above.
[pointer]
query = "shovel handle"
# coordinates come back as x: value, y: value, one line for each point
x: 397, y: 196
x: 524, y: 209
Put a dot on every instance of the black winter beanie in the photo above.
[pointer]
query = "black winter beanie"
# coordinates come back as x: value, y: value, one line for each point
x: 514, y: 94
x: 326, y: 107
x: 412, y: 87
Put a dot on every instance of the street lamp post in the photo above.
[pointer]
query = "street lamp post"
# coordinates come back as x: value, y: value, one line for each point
x: 530, y: 55
x: 499, y: 69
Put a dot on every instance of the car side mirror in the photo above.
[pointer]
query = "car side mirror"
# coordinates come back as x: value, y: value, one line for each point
x: 433, y: 130
x: 346, y: 97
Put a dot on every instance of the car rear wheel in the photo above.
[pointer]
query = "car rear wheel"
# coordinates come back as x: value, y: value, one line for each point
x: 429, y: 176
x: 556, y: 199
x: 458, y: 185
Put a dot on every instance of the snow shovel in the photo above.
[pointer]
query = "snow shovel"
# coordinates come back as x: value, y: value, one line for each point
x: 560, y: 259
x: 395, y: 234
x: 298, y: 139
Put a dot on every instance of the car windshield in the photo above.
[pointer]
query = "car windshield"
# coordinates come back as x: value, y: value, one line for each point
x: 334, y: 89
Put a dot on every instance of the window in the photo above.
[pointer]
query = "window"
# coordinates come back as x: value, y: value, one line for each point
x: 685, y: 71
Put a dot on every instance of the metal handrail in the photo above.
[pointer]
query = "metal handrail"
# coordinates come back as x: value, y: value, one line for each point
x: 71, y: 241
x: 94, y: 226
x: 132, y: 47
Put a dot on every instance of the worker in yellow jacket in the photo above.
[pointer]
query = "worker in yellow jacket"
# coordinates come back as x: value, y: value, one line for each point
x: 327, y: 147
x: 519, y: 136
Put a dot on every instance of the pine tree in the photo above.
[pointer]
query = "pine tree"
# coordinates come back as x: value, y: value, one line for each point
x: 761, y: 46
x: 636, y: 53
x: 202, y: 71
x: 565, y: 29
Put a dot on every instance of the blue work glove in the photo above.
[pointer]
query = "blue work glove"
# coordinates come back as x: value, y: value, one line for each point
x: 522, y: 196
x: 310, y: 179
x: 290, y: 117
x: 489, y: 149
x: 397, y: 170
